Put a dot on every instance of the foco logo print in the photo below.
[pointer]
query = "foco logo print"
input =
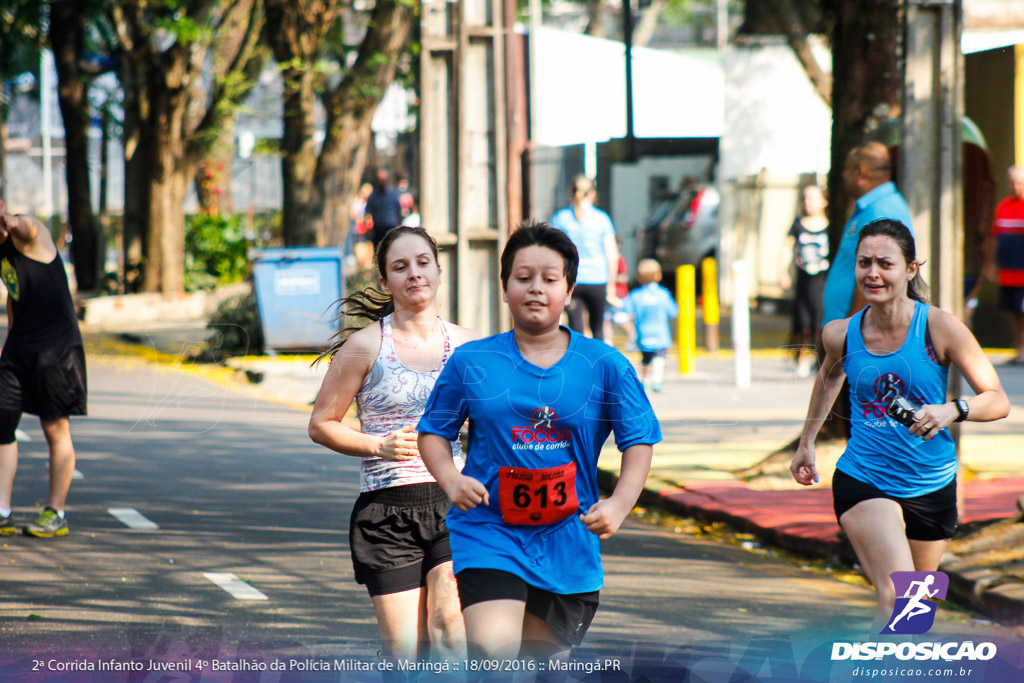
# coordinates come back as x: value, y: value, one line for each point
x: 542, y: 432
x: 543, y: 417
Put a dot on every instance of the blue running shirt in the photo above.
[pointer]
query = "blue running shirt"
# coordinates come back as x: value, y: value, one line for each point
x: 881, y: 451
x: 589, y: 235
x: 525, y: 416
x: 652, y: 305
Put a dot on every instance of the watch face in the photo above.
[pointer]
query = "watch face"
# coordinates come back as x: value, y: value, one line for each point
x: 961, y: 405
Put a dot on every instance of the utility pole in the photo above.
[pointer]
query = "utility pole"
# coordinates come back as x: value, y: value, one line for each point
x: 46, y: 133
x: 931, y: 149
x: 627, y: 40
x: 464, y: 163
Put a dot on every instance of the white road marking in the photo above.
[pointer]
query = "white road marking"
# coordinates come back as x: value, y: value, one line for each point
x: 132, y: 518
x: 77, y: 475
x: 234, y: 586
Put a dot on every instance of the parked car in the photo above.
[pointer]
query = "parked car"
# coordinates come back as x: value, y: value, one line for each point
x: 682, y: 231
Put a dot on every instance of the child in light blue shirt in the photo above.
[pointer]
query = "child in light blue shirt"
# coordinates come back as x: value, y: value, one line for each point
x: 651, y: 306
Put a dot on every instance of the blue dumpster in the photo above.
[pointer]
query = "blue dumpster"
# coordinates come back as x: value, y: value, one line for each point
x: 296, y: 289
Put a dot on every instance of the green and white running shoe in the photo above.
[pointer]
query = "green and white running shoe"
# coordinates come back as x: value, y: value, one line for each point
x: 47, y: 525
x: 7, y: 527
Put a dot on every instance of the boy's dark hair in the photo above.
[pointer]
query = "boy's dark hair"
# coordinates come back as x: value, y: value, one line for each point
x: 530, y: 233
x: 917, y: 289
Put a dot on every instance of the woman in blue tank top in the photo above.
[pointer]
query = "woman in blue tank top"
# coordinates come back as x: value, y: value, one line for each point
x: 894, y: 488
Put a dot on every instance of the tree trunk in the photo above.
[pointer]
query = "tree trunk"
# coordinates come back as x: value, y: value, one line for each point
x: 350, y: 109
x: 866, y: 89
x: 135, y: 222
x: 3, y: 160
x: 213, y: 174
x: 105, y: 123
x: 67, y: 37
x: 238, y: 59
x: 138, y: 163
x: 165, y: 253
x: 171, y: 115
x: 343, y: 164
x: 644, y: 30
x: 173, y: 232
x: 303, y: 206
x: 157, y: 211
x: 792, y: 20
x: 594, y: 26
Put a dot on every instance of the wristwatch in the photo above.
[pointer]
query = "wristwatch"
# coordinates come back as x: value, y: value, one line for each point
x: 962, y: 408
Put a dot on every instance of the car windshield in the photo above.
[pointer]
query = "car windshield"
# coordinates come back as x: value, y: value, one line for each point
x: 660, y: 212
x: 682, y: 204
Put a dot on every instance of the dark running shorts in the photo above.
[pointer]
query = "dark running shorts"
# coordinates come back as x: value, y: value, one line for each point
x: 646, y: 357
x: 569, y: 616
x: 931, y: 517
x: 1011, y: 299
x: 397, y: 535
x: 50, y: 384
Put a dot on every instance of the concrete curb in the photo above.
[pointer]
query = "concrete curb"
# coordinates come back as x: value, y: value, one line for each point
x: 981, y: 589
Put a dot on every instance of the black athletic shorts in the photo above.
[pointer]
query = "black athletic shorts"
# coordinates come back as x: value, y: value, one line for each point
x: 1011, y: 299
x: 50, y: 384
x: 931, y: 517
x: 569, y: 616
x: 397, y: 535
x: 646, y: 357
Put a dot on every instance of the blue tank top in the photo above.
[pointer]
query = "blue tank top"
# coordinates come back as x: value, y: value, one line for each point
x: 881, y: 451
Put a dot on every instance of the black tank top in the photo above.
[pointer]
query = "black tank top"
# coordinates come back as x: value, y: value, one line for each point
x: 44, y: 314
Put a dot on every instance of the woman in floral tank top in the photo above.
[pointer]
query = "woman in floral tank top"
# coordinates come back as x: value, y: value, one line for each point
x: 397, y: 534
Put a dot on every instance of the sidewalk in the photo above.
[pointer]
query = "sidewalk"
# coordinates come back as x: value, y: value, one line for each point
x: 716, y: 461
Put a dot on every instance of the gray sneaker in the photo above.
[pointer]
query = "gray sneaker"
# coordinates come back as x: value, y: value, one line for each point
x: 7, y: 528
x: 47, y: 525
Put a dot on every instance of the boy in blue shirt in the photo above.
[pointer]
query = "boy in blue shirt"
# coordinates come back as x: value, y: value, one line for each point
x: 527, y: 517
x: 651, y: 306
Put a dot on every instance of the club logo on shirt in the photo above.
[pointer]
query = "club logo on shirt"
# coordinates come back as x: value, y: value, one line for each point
x: 543, y: 417
x: 10, y: 277
x: 888, y: 386
x: 542, y: 432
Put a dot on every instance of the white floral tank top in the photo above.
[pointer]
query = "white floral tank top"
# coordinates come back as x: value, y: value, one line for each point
x: 391, y: 397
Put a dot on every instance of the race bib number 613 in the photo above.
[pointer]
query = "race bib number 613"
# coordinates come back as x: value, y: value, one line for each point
x: 537, y: 496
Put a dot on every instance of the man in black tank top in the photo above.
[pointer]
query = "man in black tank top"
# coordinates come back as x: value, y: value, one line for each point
x: 42, y: 365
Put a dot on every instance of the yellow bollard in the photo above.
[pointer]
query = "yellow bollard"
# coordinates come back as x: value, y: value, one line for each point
x: 686, y: 297
x: 709, y: 281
